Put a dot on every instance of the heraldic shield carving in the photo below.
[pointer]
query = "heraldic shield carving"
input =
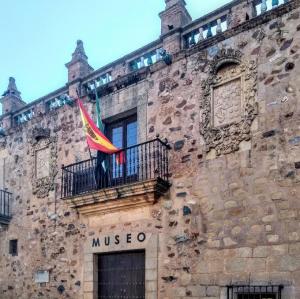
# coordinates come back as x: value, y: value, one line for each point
x: 44, y: 154
x: 228, y: 106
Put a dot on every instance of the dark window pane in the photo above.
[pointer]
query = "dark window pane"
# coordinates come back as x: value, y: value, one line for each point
x: 13, y: 247
x: 131, y: 155
x: 117, y: 137
x: 117, y: 140
x: 131, y: 134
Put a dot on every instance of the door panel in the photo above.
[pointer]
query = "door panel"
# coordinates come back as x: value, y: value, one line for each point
x: 121, y: 275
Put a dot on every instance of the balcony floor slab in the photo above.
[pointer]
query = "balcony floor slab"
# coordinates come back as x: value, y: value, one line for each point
x: 124, y: 197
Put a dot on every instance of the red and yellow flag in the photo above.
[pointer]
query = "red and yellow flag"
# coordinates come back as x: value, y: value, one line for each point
x: 95, y: 138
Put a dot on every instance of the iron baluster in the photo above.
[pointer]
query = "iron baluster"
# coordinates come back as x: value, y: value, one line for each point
x: 145, y: 161
x: 161, y: 160
x: 150, y: 161
x: 142, y: 161
x: 153, y: 157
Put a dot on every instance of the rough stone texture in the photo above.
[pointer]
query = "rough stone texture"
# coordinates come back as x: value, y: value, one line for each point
x: 232, y: 213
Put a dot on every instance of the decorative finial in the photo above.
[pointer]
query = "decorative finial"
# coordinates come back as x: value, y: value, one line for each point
x: 170, y: 3
x: 12, y: 88
x: 79, y: 52
x: 78, y: 67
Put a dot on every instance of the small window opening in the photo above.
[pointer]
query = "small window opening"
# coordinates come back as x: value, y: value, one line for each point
x: 13, y: 247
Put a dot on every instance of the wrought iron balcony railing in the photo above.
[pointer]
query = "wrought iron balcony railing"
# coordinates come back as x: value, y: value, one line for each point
x: 5, y: 206
x: 142, y: 162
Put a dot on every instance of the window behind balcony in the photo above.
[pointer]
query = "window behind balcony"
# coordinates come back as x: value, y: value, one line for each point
x: 123, y: 134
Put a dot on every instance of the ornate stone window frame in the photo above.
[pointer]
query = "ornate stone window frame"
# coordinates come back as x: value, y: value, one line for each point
x: 227, y: 138
x: 41, y: 139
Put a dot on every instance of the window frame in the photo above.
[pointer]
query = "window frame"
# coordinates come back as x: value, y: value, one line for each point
x: 123, y: 122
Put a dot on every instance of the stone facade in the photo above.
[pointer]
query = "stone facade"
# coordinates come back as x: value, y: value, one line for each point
x: 229, y: 107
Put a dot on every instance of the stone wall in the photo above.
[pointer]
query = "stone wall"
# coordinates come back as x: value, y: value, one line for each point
x: 231, y: 115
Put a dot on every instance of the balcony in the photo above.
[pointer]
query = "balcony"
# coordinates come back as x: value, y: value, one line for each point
x: 135, y: 176
x: 5, y: 207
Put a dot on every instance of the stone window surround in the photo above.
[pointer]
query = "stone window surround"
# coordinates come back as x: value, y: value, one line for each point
x: 90, y: 279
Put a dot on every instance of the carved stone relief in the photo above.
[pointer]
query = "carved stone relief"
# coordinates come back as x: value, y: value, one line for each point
x: 44, y: 154
x: 228, y: 104
x: 42, y: 165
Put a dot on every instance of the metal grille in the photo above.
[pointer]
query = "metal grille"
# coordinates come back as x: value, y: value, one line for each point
x: 254, y: 292
x: 121, y: 275
x: 141, y: 162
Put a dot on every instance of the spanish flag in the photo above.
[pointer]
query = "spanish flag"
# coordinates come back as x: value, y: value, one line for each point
x: 95, y: 138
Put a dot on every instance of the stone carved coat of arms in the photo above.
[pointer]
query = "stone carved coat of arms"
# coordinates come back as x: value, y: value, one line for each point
x: 43, y: 152
x: 228, y: 105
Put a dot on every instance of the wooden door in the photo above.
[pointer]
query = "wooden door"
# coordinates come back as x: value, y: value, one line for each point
x: 121, y: 275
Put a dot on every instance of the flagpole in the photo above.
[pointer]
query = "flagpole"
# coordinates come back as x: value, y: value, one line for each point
x: 98, y: 109
x: 100, y: 160
x: 91, y: 157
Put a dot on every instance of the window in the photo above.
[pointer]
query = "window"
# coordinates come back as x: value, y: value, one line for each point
x: 254, y: 292
x: 123, y: 134
x: 13, y: 247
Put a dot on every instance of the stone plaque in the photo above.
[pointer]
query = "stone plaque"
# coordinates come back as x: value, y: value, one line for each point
x: 42, y: 163
x: 41, y: 277
x: 227, y: 102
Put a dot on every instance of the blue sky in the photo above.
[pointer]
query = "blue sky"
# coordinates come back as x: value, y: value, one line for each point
x: 37, y: 37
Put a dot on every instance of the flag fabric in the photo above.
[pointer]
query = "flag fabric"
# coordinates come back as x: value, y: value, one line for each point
x: 95, y: 138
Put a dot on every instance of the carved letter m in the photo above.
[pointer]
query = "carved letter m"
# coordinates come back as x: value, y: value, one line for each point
x: 96, y: 242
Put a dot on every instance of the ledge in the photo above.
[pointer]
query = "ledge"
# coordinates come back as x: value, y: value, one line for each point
x: 119, y: 198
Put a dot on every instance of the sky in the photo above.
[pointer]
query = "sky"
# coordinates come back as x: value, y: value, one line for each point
x: 37, y: 37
